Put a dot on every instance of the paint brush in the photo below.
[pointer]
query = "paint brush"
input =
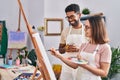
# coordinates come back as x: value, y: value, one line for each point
x: 50, y: 50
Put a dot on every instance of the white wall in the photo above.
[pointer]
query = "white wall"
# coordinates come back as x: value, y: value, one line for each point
x: 109, y: 8
x: 55, y: 8
x: 37, y: 10
x: 34, y: 11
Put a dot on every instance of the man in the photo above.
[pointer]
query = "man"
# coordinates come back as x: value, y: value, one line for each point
x: 71, y: 39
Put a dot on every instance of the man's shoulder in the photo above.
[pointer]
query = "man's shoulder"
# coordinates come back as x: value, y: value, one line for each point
x: 66, y: 28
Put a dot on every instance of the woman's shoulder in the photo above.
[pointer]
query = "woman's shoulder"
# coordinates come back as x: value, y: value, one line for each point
x: 105, y: 48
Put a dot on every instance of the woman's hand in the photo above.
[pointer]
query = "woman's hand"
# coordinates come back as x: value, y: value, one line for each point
x: 79, y: 57
x: 54, y: 52
x: 62, y: 58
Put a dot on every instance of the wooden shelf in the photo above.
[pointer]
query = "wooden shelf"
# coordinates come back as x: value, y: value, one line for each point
x: 88, y: 16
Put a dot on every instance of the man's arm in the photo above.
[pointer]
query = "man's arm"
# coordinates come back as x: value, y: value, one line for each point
x: 67, y: 48
x: 62, y: 48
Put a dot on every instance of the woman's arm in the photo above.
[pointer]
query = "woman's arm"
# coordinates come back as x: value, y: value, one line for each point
x: 102, y: 71
x: 62, y: 58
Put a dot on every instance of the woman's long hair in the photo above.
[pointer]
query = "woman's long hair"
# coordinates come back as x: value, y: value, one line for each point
x: 99, y: 34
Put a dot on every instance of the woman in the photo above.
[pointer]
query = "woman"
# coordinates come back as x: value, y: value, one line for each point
x: 96, y: 52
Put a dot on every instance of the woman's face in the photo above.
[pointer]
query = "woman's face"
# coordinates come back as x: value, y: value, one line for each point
x: 88, y: 29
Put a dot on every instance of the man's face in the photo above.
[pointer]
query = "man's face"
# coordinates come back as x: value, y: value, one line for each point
x: 73, y: 18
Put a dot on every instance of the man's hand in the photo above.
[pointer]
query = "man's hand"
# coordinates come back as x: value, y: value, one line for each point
x: 71, y: 48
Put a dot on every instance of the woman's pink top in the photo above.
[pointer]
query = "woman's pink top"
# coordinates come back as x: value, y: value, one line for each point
x: 103, y: 54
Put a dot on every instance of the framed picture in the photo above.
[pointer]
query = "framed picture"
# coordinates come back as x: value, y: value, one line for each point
x: 53, y: 26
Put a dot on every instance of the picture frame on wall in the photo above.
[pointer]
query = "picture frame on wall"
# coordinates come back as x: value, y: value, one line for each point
x: 53, y: 26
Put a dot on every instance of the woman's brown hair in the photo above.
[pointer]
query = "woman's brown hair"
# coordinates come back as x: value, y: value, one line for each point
x: 99, y: 34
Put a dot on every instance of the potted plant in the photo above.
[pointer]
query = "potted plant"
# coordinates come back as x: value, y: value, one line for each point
x: 85, y: 11
x: 115, y: 64
x: 22, y: 54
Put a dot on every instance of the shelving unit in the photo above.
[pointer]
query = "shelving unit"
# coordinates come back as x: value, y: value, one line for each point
x: 3, y: 39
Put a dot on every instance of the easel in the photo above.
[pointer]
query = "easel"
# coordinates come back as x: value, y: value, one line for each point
x: 45, y: 74
x: 19, y: 21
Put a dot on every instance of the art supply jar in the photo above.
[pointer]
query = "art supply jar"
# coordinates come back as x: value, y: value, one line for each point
x: 17, y: 62
x: 10, y: 61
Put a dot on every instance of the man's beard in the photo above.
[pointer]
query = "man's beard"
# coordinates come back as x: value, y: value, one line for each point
x: 76, y: 22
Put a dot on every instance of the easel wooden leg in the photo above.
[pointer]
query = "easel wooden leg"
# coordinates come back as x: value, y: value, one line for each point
x: 41, y: 76
x: 42, y: 73
x: 34, y: 73
x: 10, y: 54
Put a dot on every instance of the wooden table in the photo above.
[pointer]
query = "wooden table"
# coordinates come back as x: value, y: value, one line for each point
x: 11, y: 73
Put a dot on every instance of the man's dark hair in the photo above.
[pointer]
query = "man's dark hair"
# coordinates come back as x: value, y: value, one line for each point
x: 73, y: 7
